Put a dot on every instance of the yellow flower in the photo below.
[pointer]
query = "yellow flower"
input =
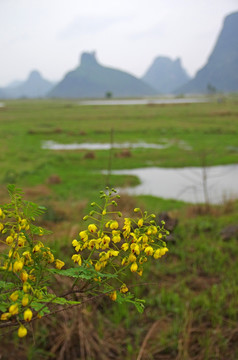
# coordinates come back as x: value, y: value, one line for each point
x: 123, y: 288
x: 105, y: 242
x: 1, y: 226
x: 13, y: 309
x: 140, y: 222
x: 23, y: 276
x: 154, y: 229
x: 134, y: 267
x: 98, y: 266
x: 21, y: 241
x: 26, y: 287
x: 125, y: 246
x: 113, y: 252
x: 59, y: 264
x: 157, y: 254
x: 36, y: 248
x: 163, y: 251
x: 14, y: 296
x: 92, y: 228
x: 127, y: 227
x: 9, y: 240
x: 149, y: 250
x: 6, y: 316
x: 22, y: 331
x: 116, y: 238
x: 77, y: 259
x: 17, y: 266
x: 27, y: 315
x: 140, y: 272
x: 145, y: 238
x: 132, y: 258
x: 25, y: 300
x: 114, y: 225
x: 135, y: 248
x: 51, y: 257
x: 75, y: 242
x: 113, y: 296
x: 83, y: 235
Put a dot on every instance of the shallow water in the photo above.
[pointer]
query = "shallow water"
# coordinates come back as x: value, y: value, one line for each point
x: 186, y: 183
x: 143, y: 101
x: 51, y: 145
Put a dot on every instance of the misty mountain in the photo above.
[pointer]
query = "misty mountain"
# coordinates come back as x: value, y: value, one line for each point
x: 166, y: 75
x: 34, y: 87
x: 221, y: 71
x: 90, y: 79
x: 2, y: 94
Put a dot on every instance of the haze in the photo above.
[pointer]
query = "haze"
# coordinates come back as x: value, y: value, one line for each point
x: 49, y: 35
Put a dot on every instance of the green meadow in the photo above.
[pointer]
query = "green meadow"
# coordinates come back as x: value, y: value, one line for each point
x: 192, y: 293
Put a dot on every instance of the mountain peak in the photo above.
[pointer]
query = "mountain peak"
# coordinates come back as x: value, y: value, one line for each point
x: 166, y: 74
x: 34, y: 75
x: 88, y: 59
x: 221, y: 69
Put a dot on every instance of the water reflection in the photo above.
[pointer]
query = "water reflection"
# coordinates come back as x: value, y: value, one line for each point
x: 186, y: 183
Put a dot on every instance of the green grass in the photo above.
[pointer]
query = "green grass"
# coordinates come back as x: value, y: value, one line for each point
x: 191, y: 294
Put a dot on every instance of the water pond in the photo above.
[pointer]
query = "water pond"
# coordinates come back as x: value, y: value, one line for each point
x: 51, y: 145
x: 186, y: 184
x: 146, y: 101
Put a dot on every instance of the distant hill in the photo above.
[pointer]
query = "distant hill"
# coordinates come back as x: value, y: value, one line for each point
x: 2, y: 94
x: 34, y: 87
x: 92, y: 80
x: 221, y: 71
x: 166, y: 75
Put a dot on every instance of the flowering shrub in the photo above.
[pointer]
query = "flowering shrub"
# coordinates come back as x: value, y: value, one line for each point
x: 107, y: 250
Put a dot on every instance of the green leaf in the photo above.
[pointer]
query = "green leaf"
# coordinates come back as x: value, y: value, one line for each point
x: 5, y: 285
x: 81, y: 273
x: 129, y: 298
x: 3, y: 307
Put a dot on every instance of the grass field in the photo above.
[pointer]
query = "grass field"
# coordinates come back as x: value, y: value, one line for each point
x: 191, y: 295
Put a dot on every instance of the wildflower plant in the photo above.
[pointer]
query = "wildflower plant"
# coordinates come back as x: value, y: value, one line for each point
x: 106, y: 251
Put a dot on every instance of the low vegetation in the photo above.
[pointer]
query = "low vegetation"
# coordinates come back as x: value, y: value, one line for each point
x: 191, y: 293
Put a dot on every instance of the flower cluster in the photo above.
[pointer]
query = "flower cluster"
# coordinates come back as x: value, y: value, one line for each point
x: 24, y: 262
x: 109, y: 249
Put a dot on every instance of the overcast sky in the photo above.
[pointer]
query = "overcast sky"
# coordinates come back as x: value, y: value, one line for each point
x: 50, y: 35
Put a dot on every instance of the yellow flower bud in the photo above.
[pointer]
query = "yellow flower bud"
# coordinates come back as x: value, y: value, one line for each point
x: 22, y: 331
x: 25, y: 300
x: 14, y: 296
x: 26, y: 287
x: 134, y: 267
x: 6, y: 316
x: 13, y: 309
x: 140, y: 222
x: 113, y: 296
x: 27, y: 315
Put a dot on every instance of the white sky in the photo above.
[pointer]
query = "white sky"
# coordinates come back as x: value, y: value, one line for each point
x: 50, y: 35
